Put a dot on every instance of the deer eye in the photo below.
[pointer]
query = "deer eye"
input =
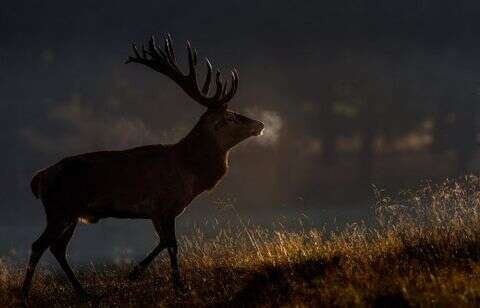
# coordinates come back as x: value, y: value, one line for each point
x: 232, y: 118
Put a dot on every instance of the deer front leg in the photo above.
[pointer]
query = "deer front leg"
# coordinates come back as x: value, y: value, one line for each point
x: 172, y: 252
x: 165, y: 228
x: 140, y: 268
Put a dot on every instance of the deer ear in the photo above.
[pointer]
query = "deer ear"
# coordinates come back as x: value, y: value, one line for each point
x: 223, y: 107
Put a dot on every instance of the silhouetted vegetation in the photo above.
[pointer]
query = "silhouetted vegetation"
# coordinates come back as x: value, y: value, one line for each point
x: 424, y: 251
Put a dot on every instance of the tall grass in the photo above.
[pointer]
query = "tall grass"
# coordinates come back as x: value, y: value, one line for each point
x: 423, y: 251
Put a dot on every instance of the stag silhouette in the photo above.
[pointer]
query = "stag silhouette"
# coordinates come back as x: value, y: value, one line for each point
x: 155, y: 182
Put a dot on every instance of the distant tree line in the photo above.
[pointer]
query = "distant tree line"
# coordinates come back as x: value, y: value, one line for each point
x: 395, y: 94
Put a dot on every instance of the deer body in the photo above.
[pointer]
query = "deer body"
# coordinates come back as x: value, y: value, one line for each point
x: 154, y: 182
x: 143, y: 182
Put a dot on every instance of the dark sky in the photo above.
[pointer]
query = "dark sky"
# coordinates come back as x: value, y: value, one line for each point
x: 64, y: 89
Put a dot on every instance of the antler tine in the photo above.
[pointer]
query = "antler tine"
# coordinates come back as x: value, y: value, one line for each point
x: 233, y: 88
x: 235, y: 73
x: 218, y: 83
x: 169, y: 49
x: 153, y: 49
x: 235, y: 84
x: 163, y: 61
x: 195, y: 56
x: 224, y: 91
x: 208, y: 79
x: 191, y: 62
x: 135, y: 50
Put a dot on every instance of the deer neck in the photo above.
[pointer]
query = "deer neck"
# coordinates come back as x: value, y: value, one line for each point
x: 202, y: 158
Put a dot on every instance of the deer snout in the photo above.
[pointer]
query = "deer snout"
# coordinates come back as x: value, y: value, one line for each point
x: 258, y: 128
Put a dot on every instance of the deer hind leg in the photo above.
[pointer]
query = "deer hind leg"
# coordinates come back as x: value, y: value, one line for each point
x: 59, y: 250
x: 53, y: 230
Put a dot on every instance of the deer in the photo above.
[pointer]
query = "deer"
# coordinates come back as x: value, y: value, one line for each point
x: 155, y: 182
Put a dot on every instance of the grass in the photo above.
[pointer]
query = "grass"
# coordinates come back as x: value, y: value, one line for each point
x: 424, y: 251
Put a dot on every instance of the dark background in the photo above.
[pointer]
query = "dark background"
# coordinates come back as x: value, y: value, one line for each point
x: 353, y: 93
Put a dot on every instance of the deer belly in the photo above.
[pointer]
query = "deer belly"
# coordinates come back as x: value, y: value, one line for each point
x: 118, y: 207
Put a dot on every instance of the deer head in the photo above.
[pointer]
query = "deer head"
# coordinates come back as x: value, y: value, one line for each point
x: 218, y: 124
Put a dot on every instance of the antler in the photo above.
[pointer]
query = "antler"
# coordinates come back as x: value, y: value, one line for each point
x: 163, y: 61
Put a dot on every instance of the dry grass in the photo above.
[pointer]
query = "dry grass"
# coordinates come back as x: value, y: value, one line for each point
x: 425, y: 251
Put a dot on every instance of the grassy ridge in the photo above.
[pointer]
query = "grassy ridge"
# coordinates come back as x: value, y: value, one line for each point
x: 425, y: 251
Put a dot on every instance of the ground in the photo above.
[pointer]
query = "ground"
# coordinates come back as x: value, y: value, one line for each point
x: 423, y: 251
